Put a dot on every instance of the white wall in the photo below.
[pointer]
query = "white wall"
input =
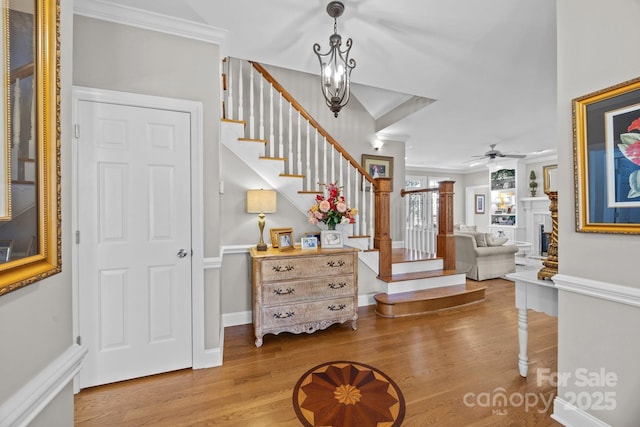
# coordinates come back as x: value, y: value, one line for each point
x: 596, y: 41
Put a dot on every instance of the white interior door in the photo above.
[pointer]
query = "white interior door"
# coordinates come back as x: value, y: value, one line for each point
x: 134, y: 253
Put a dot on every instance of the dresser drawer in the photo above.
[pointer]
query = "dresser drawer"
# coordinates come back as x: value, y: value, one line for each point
x: 303, y: 267
x: 287, y: 315
x: 324, y: 287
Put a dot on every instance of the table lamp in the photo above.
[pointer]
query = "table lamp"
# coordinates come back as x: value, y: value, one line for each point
x: 261, y: 202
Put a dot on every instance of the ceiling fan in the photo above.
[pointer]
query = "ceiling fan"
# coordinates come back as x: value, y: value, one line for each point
x: 493, y: 153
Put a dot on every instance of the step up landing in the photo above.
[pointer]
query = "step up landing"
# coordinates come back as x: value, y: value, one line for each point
x: 429, y: 300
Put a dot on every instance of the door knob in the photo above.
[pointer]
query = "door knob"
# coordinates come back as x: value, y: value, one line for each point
x: 182, y: 253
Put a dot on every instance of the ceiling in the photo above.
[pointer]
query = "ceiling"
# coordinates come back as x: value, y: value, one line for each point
x: 489, y: 66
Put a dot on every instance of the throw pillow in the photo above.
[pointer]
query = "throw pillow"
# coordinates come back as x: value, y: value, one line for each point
x: 495, y: 241
x: 480, y: 240
x: 468, y: 228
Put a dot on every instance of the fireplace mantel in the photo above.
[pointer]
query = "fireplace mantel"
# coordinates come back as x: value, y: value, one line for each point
x: 536, y: 212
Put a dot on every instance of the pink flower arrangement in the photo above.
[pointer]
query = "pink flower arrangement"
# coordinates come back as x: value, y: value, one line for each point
x: 331, y: 208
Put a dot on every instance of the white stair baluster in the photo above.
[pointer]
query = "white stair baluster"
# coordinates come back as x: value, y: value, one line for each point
x: 333, y: 163
x: 240, y: 93
x: 261, y: 135
x: 324, y: 161
x: 308, y: 150
x: 316, y: 167
x: 371, y: 225
x: 272, y: 137
x: 252, y: 124
x: 230, y: 111
x: 281, y: 133
x: 290, y: 158
x: 299, y: 147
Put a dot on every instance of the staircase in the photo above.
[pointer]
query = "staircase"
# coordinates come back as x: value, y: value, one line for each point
x: 299, y: 154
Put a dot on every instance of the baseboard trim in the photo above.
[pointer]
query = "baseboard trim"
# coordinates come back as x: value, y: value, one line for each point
x: 237, y: 318
x: 602, y: 290
x: 568, y: 415
x: 25, y: 405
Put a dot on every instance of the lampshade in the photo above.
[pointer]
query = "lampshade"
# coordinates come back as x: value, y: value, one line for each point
x: 261, y: 201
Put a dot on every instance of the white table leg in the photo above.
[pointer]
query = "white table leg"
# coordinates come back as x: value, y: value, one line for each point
x: 523, y: 334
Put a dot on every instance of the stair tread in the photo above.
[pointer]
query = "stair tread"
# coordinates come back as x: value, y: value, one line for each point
x: 428, y: 294
x: 261, y: 141
x: 417, y: 275
x: 242, y: 122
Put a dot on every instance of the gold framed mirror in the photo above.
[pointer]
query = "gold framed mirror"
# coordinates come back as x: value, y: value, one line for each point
x: 30, y: 218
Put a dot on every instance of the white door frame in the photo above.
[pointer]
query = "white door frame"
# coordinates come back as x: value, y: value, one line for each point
x: 194, y: 109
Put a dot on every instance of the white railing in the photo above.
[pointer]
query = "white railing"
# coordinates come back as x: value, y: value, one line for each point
x: 310, y: 152
x: 422, y: 221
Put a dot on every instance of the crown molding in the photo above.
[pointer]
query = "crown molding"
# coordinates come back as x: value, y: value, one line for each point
x: 139, y: 18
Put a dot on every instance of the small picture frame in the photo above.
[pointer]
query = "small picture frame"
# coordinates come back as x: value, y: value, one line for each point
x: 309, y: 243
x: 273, y: 232
x: 331, y: 239
x: 479, y: 199
x: 549, y: 178
x: 315, y: 234
x: 6, y: 248
x: 285, y: 240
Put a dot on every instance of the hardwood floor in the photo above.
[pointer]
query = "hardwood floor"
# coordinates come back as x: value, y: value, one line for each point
x: 452, y: 367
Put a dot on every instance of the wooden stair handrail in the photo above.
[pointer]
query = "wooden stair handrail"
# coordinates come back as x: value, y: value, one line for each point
x: 420, y: 190
x: 313, y: 122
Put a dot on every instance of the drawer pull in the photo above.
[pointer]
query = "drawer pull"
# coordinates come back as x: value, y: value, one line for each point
x: 287, y: 291
x: 279, y: 268
x: 339, y: 263
x: 283, y: 316
x: 340, y: 307
x: 338, y: 286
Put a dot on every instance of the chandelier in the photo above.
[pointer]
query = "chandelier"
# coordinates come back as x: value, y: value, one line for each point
x: 335, y: 65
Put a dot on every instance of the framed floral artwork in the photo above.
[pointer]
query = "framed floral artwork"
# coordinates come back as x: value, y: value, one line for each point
x: 607, y: 159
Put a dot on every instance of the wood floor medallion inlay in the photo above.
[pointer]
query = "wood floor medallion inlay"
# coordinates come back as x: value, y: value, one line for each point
x: 340, y: 394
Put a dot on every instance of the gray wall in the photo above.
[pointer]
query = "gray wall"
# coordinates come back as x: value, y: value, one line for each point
x: 124, y: 58
x: 36, y: 320
x: 595, y: 44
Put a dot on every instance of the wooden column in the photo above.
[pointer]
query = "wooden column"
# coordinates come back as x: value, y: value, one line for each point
x: 382, y: 225
x: 446, y: 242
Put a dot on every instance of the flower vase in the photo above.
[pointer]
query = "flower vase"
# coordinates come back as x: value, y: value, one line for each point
x: 331, y: 226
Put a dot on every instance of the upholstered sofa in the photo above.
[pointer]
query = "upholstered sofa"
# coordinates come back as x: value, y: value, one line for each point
x: 482, y: 256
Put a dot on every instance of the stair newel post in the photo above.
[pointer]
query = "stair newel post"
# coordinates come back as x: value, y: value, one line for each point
x: 382, y: 238
x: 272, y: 137
x: 446, y: 241
x: 252, y: 119
x: 240, y: 93
x: 230, y: 90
